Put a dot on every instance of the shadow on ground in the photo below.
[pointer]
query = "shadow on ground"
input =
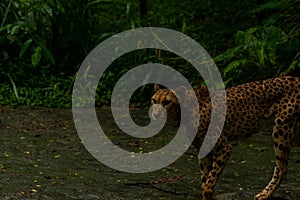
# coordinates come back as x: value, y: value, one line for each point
x: 42, y: 157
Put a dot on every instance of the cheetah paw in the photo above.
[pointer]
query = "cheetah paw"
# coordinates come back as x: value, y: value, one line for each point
x: 261, y: 196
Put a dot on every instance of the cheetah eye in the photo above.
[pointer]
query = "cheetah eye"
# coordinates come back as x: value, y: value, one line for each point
x: 165, y: 103
x: 154, y: 101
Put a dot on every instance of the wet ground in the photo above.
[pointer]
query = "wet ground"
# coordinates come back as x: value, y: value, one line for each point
x: 42, y: 157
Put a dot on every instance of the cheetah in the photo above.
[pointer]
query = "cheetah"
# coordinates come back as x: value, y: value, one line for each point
x: 248, y: 107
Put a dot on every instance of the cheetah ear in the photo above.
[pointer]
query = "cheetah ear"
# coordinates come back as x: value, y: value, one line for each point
x: 158, y: 87
x: 180, y: 92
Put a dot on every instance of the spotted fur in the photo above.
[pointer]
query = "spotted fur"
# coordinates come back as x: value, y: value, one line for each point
x: 249, y: 106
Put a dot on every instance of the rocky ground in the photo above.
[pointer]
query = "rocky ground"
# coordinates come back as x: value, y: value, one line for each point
x: 42, y: 157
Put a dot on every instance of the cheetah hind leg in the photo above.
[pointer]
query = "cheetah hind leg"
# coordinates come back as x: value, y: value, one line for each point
x: 282, y: 150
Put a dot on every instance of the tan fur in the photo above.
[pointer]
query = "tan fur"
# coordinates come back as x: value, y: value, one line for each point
x: 248, y: 108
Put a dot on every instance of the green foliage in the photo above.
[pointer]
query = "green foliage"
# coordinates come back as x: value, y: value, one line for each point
x: 43, y: 39
x: 56, y: 94
x: 267, y: 50
x: 254, y: 55
x: 44, y: 42
x: 285, y: 15
x: 21, y: 31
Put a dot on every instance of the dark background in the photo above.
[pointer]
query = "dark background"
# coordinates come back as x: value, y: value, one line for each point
x: 44, y: 42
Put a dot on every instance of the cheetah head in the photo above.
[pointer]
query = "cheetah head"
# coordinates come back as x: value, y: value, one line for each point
x: 164, y: 100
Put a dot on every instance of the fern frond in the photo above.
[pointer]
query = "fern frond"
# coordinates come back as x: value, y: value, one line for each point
x: 269, y: 5
x: 234, y: 65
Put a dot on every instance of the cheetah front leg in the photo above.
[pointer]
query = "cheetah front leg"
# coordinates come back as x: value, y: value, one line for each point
x: 221, y: 154
x: 205, y: 166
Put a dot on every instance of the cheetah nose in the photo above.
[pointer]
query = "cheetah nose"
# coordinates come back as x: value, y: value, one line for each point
x: 155, y: 116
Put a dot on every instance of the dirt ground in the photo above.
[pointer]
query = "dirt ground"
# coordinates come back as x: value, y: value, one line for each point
x: 42, y: 157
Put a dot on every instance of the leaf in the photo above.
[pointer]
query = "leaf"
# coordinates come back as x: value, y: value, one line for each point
x: 48, y: 55
x: 15, y: 29
x: 14, y: 87
x: 6, y: 27
x: 25, y: 47
x: 234, y: 65
x: 229, y: 54
x: 36, y: 56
